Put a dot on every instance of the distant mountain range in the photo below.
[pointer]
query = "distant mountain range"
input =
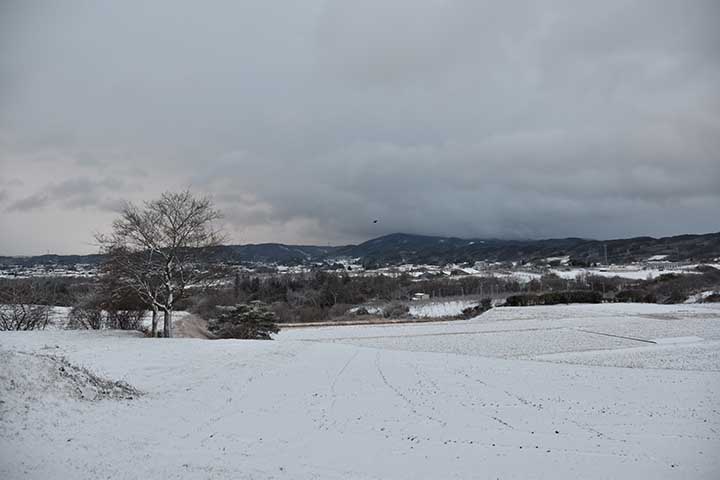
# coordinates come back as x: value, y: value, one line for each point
x: 403, y: 248
x: 400, y: 248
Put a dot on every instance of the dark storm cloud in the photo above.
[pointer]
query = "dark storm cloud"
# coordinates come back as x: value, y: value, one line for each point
x: 307, y: 121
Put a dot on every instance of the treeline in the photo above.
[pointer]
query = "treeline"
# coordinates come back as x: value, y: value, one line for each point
x: 554, y: 298
x: 672, y: 287
x: 669, y: 288
x: 60, y: 291
x: 322, y: 296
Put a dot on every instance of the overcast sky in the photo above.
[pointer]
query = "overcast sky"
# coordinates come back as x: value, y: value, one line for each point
x: 308, y: 120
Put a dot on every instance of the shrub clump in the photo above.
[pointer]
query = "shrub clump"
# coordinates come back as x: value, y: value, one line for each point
x: 714, y: 298
x: 635, y: 296
x: 572, y: 296
x: 252, y: 320
x: 396, y: 310
x: 472, y: 312
x: 554, y: 298
x: 93, y: 312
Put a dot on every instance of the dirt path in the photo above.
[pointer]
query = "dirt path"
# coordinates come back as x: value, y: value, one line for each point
x: 192, y: 326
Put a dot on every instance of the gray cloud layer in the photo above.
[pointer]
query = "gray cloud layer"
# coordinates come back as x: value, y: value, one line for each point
x: 307, y: 120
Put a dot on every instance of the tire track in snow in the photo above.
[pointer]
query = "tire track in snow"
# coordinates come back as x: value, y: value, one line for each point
x: 327, y: 412
x: 413, y: 406
x: 342, y: 370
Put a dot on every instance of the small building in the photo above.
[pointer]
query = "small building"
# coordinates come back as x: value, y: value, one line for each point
x: 421, y: 296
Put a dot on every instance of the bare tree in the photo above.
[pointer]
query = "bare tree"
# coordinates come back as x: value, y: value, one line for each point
x: 87, y: 313
x: 157, y: 249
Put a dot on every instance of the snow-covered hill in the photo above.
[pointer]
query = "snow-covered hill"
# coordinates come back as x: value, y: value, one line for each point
x: 376, y: 402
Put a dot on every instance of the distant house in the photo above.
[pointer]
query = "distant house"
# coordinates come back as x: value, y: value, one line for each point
x: 421, y: 296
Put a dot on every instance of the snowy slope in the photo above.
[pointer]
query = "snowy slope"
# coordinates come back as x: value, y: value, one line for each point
x: 313, y: 404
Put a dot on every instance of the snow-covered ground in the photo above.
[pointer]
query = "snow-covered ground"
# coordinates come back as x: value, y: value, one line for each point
x: 631, y: 272
x: 448, y: 308
x: 427, y: 308
x: 579, y: 391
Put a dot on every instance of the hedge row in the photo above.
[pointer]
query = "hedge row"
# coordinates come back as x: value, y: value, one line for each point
x: 554, y: 298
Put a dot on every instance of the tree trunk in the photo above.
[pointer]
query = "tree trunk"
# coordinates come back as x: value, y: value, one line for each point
x: 169, y: 297
x: 167, y: 326
x: 154, y: 321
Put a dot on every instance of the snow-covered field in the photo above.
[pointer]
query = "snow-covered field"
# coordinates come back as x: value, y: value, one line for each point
x: 579, y: 391
x: 632, y: 272
x: 448, y: 308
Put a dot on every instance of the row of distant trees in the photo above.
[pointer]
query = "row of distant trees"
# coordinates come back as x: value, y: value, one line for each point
x: 109, y: 302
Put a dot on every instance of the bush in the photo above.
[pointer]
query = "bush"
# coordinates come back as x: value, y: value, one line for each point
x: 20, y: 316
x: 396, y: 310
x: 87, y: 313
x: 521, y: 300
x: 635, y: 296
x: 338, y: 310
x: 93, y: 312
x: 20, y: 308
x: 472, y: 312
x: 554, y: 298
x: 252, y: 320
x: 714, y: 298
x: 573, y: 296
x: 124, y: 319
x: 284, y: 313
x: 676, y: 297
